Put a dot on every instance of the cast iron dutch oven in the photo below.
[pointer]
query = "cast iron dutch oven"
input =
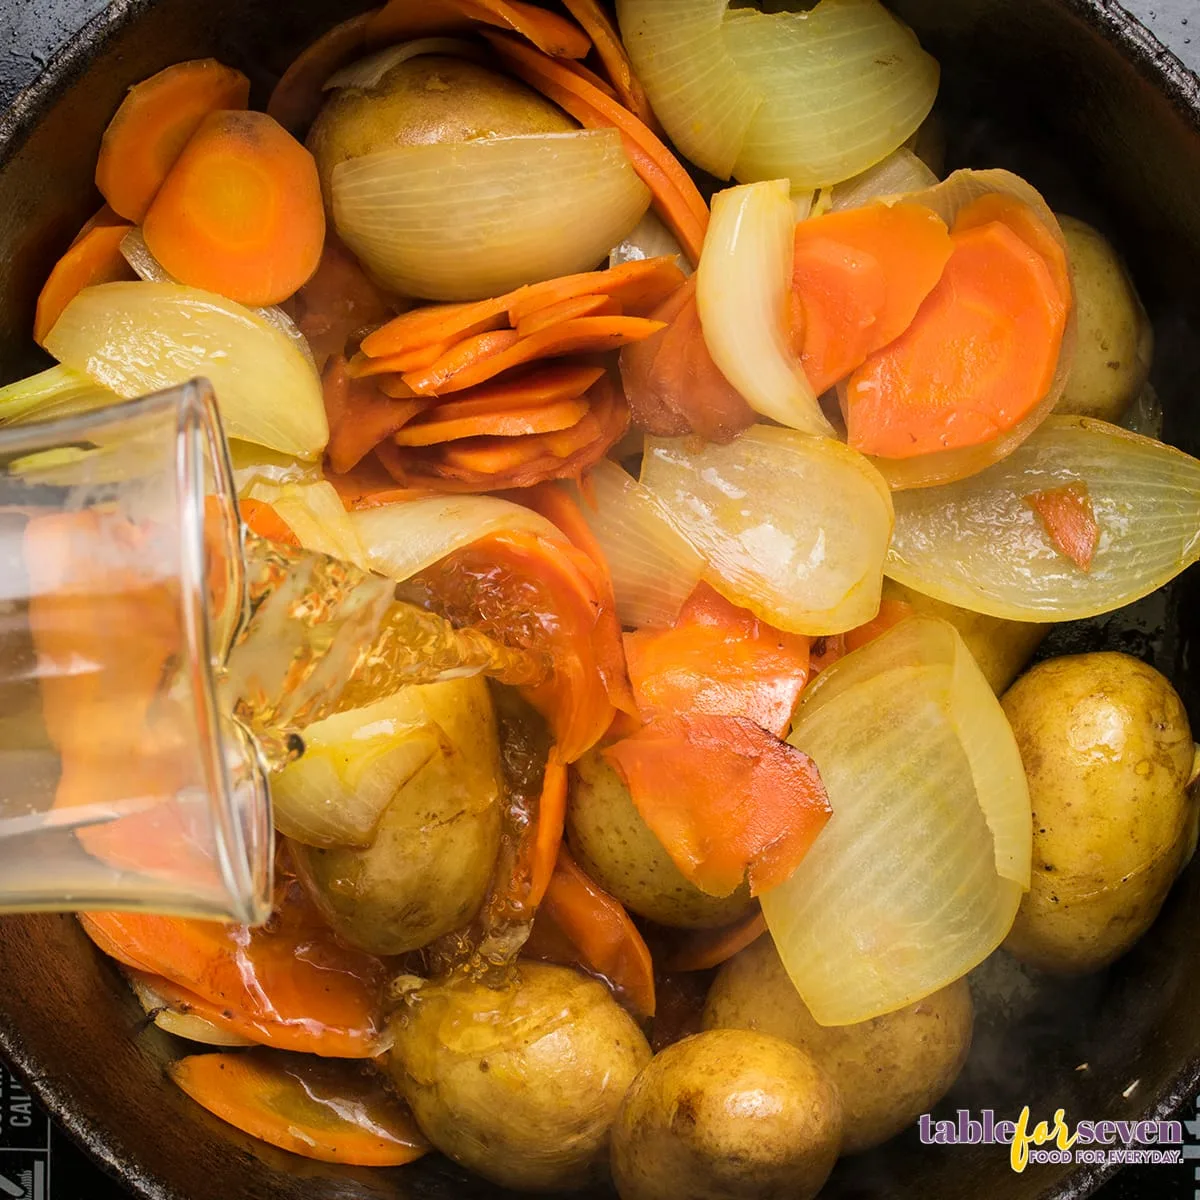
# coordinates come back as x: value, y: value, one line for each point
x: 1075, y: 95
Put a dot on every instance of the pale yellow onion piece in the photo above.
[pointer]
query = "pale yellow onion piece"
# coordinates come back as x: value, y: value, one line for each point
x: 654, y: 568
x: 55, y: 392
x: 400, y: 540
x: 901, y: 172
x: 978, y: 544
x: 743, y: 291
x: 467, y: 220
x: 182, y: 1024
x: 703, y: 100
x: 354, y: 765
x: 900, y: 895
x: 649, y: 238
x: 256, y: 464
x: 947, y: 199
x: 140, y: 337
x: 314, y: 512
x: 367, y: 72
x: 793, y: 527
x: 846, y: 84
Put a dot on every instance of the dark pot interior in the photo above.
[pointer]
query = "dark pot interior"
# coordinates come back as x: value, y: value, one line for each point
x: 1073, y: 94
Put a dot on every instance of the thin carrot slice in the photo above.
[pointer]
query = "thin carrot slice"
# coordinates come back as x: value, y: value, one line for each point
x: 297, y: 97
x: 703, y: 949
x: 979, y: 356
x: 94, y: 257
x: 891, y: 612
x: 718, y: 659
x: 331, y: 1111
x: 567, y: 310
x: 240, y: 212
x: 434, y: 323
x: 261, y: 518
x: 360, y: 415
x: 676, y: 196
x: 400, y: 20
x: 541, y: 418
x: 598, y: 932
x: 369, y: 485
x: 638, y: 286
x: 859, y: 277
x: 469, y: 365
x: 729, y: 802
x: 155, y: 121
x: 590, y: 76
x: 543, y: 385
x: 1070, y: 521
x: 612, y: 54
x: 548, y: 833
x: 104, y: 215
x: 1026, y: 224
x: 361, y: 366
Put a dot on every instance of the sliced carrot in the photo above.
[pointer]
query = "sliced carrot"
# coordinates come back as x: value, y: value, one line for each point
x: 599, y: 931
x: 94, y: 257
x: 469, y: 365
x: 638, y: 286
x: 1026, y: 224
x: 542, y: 385
x: 612, y: 54
x: 567, y: 310
x: 240, y: 212
x: 1069, y: 519
x: 361, y: 366
x: 590, y: 76
x: 262, y: 519
x: 547, y: 839
x: 360, y: 415
x: 676, y: 196
x: 859, y: 277
x: 297, y: 97
x: 718, y: 659
x: 436, y: 323
x: 331, y: 1111
x: 541, y: 418
x: 703, y: 949
x: 891, y: 612
x: 979, y: 356
x: 104, y: 215
x: 369, y: 485
x: 155, y: 121
x: 672, y: 383
x: 729, y: 802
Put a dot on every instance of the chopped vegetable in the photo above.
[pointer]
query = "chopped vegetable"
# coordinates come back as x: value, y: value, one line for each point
x: 567, y: 310
x: 1070, y: 520
x: 182, y: 1013
x: 262, y: 519
x: 638, y: 287
x: 703, y: 949
x: 902, y: 171
x: 55, y: 392
x: 1026, y: 224
x: 611, y: 52
x: 93, y: 257
x: 296, y: 98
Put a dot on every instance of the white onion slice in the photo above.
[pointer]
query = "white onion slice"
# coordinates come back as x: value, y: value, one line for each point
x: 367, y: 72
x: 256, y: 464
x: 743, y: 290
x: 467, y: 220
x: 917, y: 877
x: 314, y: 512
x: 703, y: 100
x: 56, y: 392
x: 181, y: 1024
x: 402, y: 539
x: 649, y: 238
x: 978, y: 544
x: 140, y: 337
x: 654, y: 567
x: 794, y: 528
x: 901, y: 172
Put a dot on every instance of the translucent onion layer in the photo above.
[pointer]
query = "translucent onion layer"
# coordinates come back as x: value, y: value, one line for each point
x: 649, y: 238
x: 979, y: 544
x: 313, y: 511
x: 135, y: 338
x: 467, y: 220
x: 792, y: 527
x: 56, y: 392
x: 917, y: 877
x: 901, y: 172
x: 181, y: 1024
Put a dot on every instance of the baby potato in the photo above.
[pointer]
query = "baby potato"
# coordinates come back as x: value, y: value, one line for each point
x: 1108, y: 753
x: 429, y: 867
x: 1116, y: 341
x: 725, y: 1115
x: 522, y: 1083
x: 888, y: 1070
x: 616, y: 848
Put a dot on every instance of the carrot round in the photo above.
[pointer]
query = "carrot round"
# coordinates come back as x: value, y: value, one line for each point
x: 154, y: 123
x: 332, y: 1111
x: 513, y: 422
x: 360, y: 415
x: 94, y: 257
x: 978, y: 357
x: 859, y: 277
x: 240, y: 212
x: 637, y: 287
x: 1026, y: 224
x: 433, y: 324
x: 1069, y: 519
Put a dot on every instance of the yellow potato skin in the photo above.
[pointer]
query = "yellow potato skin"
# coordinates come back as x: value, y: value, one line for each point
x: 1108, y: 753
x: 888, y: 1070
x: 520, y: 1084
x: 727, y: 1115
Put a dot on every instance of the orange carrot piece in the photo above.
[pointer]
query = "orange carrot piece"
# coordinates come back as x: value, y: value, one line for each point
x: 859, y: 278
x: 612, y: 54
x: 676, y: 196
x: 891, y: 612
x: 543, y: 385
x: 360, y: 415
x: 469, y: 365
x: 547, y: 838
x: 638, y: 286
x: 979, y: 356
x: 435, y: 323
x: 515, y: 422
x: 590, y: 76
x: 104, y: 215
x: 703, y: 949
x: 361, y: 366
x: 1069, y: 519
x: 605, y: 939
x: 94, y: 257
x: 672, y: 383
x: 401, y: 20
x: 240, y: 212
x: 567, y: 310
x: 155, y: 121
x: 729, y: 802
x: 297, y: 97
x: 334, y: 1112
x: 1026, y: 224
x: 261, y: 518
x: 369, y: 485
x: 718, y: 659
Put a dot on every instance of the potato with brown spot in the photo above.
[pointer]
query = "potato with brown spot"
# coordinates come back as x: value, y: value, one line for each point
x: 888, y: 1070
x: 1108, y: 753
x: 727, y: 1115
